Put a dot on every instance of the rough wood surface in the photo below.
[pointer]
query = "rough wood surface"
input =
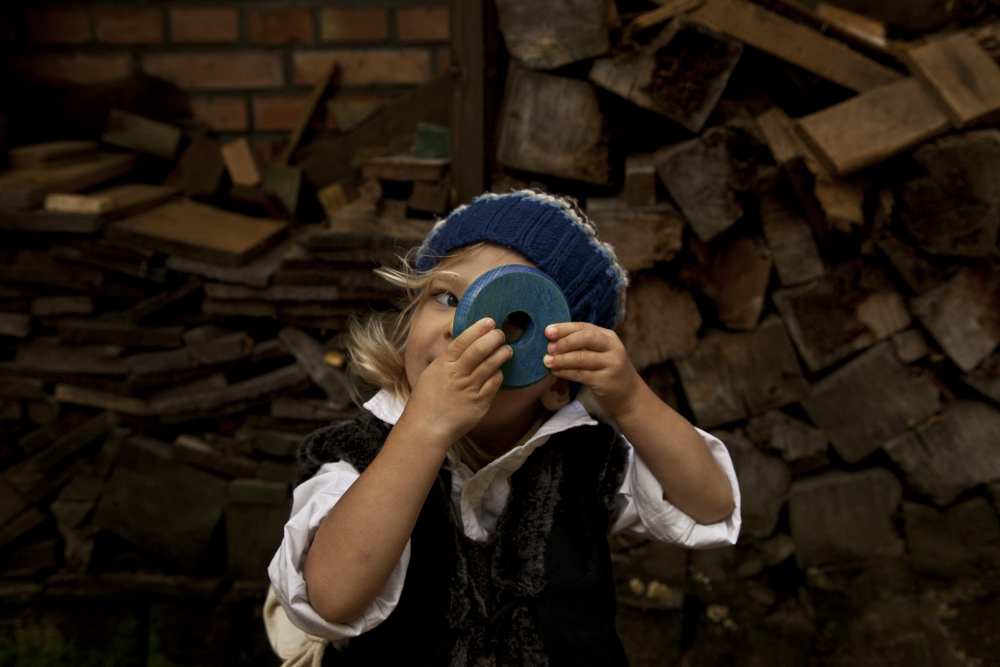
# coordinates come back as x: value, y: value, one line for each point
x: 312, y: 104
x: 641, y: 236
x: 963, y: 77
x: 553, y: 125
x: 666, y: 11
x: 640, y: 179
x: 200, y: 231
x: 951, y: 453
x: 144, y: 135
x: 986, y: 378
x: 430, y: 197
x: 661, y: 322
x: 764, y: 482
x: 127, y: 199
x: 50, y: 153
x: 794, y: 43
x: 963, y: 316
x: 870, y: 400
x: 547, y: 34
x: 309, y: 354
x: 26, y: 188
x: 404, y: 168
x: 731, y: 376
x: 860, y: 25
x: 793, y: 248
x: 200, y: 168
x: 873, y: 126
x: 846, y: 311
x: 242, y: 163
x: 734, y: 275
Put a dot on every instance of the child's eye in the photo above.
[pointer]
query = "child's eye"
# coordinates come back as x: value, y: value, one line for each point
x: 449, y: 299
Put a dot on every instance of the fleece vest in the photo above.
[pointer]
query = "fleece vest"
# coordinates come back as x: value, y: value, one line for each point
x: 539, y: 592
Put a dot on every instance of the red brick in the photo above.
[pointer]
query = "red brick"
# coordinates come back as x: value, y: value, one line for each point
x: 68, y: 68
x: 348, y: 24
x: 222, y: 114
x: 278, y: 112
x: 247, y: 69
x: 280, y: 26
x: 365, y: 67
x: 129, y: 26
x: 57, y: 26
x: 204, y: 26
x: 423, y: 24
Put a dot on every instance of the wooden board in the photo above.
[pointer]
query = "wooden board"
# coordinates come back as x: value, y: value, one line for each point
x: 200, y: 168
x: 16, y: 325
x: 309, y: 355
x: 734, y: 276
x: 796, y: 257
x: 962, y: 316
x: 553, y: 125
x: 26, y: 188
x: 253, y: 389
x: 50, y: 153
x: 873, y: 126
x: 242, y: 163
x: 200, y: 231
x: 642, y: 235
x: 302, y: 124
x: 285, y: 183
x: 145, y: 135
x: 862, y: 26
x: 404, y: 168
x: 962, y: 76
x: 794, y: 43
x: 681, y: 74
x: 48, y: 306
x: 661, y: 322
x: 640, y: 179
x: 870, y: 400
x: 666, y: 11
x: 851, y: 308
x: 986, y: 378
x: 127, y: 199
x: 430, y: 197
x: 546, y: 34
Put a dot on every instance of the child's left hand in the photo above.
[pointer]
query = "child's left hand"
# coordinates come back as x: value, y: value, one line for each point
x: 586, y: 353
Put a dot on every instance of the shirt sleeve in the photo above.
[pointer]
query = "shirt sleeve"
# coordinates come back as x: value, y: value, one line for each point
x: 641, y: 510
x: 312, y: 501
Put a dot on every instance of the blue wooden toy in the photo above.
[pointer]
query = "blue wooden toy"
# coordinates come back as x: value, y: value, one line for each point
x: 526, y: 301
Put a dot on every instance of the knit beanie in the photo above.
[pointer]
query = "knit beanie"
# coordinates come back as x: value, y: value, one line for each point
x: 552, y: 233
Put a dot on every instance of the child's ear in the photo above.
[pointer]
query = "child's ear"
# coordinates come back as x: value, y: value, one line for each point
x: 556, y: 395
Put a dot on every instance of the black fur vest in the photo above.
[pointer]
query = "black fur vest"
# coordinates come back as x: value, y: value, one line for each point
x: 538, y: 593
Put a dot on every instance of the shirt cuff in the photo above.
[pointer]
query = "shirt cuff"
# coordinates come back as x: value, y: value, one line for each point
x: 642, y: 510
x: 286, y: 568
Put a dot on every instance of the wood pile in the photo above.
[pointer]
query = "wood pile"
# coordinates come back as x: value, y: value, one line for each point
x: 808, y: 212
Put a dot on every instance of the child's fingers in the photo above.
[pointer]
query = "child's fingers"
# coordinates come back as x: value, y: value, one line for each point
x: 579, y: 360
x: 458, y: 346
x: 479, y: 350
x: 491, y: 364
x: 560, y: 329
x: 584, y: 339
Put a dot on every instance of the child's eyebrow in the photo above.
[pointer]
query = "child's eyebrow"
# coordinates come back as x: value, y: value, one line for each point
x: 451, y: 279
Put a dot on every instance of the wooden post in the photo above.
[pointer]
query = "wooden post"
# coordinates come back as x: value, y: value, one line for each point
x: 468, y: 116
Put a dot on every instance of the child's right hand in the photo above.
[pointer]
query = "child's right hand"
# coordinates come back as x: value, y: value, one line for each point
x: 455, y: 391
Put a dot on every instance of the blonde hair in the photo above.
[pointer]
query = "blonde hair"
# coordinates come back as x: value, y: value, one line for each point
x: 377, y: 344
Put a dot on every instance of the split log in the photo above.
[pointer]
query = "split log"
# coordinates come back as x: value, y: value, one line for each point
x: 221, y: 350
x: 950, y: 454
x: 274, y: 293
x: 200, y: 168
x: 764, y: 482
x: 255, y: 518
x: 553, y: 33
x: 873, y: 126
x: 68, y: 360
x: 918, y: 273
x: 640, y: 180
x: 963, y: 316
x: 242, y: 163
x: 870, y: 400
x: 404, y: 168
x: 312, y: 104
x: 661, y: 322
x: 194, y: 451
x: 144, y: 135
x: 21, y: 387
x: 253, y: 389
x: 105, y: 400
x: 158, y: 302
x: 553, y: 125
x: 105, y: 254
x: 307, y: 409
x: 798, y: 441
x: 910, y: 346
x: 961, y: 540
x: 97, y: 332
x: 641, y: 235
x: 962, y: 76
x: 986, y: 378
x: 955, y: 208
x: 200, y: 231
x: 794, y: 43
x: 681, y: 74
x: 430, y: 197
x: 285, y: 183
x: 846, y: 311
x: 49, y: 306
x: 122, y: 200
x: 796, y: 257
x: 16, y: 325
x: 27, y: 188
x: 51, y: 154
x: 667, y: 10
x: 731, y: 376
x: 734, y: 276
x: 255, y: 273
x: 309, y: 355
x: 845, y: 517
x: 864, y: 27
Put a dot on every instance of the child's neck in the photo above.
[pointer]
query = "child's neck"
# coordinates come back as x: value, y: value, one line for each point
x: 497, y: 442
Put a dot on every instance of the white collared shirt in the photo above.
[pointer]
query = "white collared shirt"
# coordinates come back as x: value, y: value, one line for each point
x: 479, y: 499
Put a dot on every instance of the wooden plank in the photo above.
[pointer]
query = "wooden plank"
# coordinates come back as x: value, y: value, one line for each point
x: 870, y: 400
x: 302, y: 124
x: 962, y: 76
x: 309, y: 354
x: 273, y: 293
x: 849, y: 309
x: 68, y: 360
x: 469, y: 54
x: 734, y: 275
x: 217, y: 351
x: 50, y: 153
x: 796, y: 257
x: 641, y: 236
x: 405, y: 168
x: 105, y: 400
x: 242, y: 163
x: 26, y: 188
x: 553, y: 125
x: 661, y: 323
x: 194, y: 451
x: 986, y: 377
x: 200, y: 168
x: 763, y: 479
x: 729, y: 377
x: 962, y: 316
x: 141, y: 134
x: 546, y: 34
x: 285, y: 183
x: 16, y: 325
x: 640, y: 179
x: 200, y: 231
x: 253, y: 389
x: 681, y: 74
x: 21, y: 387
x: 307, y: 409
x: 127, y: 199
x: 794, y: 43
x: 873, y: 126
x: 158, y: 302
x: 910, y: 346
x: 861, y: 26
x: 666, y: 11
x: 430, y: 197
x: 97, y: 332
x: 48, y: 306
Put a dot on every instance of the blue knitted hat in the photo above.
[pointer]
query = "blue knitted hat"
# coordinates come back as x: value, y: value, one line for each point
x: 553, y: 234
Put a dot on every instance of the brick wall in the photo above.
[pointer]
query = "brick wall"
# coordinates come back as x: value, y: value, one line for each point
x: 248, y: 66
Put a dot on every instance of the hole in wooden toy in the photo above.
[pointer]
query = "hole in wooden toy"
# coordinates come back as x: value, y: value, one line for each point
x: 515, y: 326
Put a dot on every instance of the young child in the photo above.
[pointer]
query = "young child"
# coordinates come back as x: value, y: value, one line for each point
x: 458, y: 524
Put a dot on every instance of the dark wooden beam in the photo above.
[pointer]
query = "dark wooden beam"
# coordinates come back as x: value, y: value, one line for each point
x: 469, y: 114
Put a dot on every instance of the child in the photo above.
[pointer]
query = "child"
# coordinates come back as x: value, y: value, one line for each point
x: 456, y: 524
